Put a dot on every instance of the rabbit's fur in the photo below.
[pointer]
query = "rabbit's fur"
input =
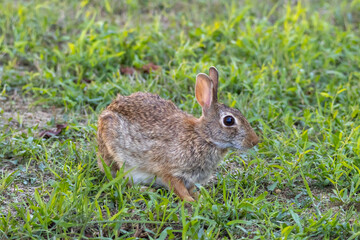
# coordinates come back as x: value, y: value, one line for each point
x: 154, y: 138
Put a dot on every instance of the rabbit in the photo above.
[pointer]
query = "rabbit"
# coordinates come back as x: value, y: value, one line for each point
x: 156, y: 140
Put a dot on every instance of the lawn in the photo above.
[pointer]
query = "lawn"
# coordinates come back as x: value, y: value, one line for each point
x: 291, y: 67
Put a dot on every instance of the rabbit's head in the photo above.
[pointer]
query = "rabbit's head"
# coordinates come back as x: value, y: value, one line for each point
x: 223, y: 126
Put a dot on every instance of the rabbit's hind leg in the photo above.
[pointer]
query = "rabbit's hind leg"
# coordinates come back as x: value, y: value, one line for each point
x: 195, y: 194
x: 179, y: 187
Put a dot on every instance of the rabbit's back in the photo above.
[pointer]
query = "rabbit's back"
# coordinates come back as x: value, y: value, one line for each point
x: 137, y: 128
x: 144, y: 108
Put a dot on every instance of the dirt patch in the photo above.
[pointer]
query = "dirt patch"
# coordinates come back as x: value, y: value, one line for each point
x: 16, y: 116
x: 18, y: 113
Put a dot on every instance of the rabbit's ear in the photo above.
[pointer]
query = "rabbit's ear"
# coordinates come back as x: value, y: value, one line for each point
x: 204, y: 91
x: 214, y: 75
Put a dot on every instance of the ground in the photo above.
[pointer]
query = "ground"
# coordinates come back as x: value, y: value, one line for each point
x: 291, y: 67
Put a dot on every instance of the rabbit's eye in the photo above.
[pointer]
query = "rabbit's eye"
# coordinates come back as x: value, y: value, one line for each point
x: 229, y: 121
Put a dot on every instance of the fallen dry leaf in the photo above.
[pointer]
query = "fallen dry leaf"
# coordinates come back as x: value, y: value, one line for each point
x: 127, y: 70
x: 84, y: 80
x: 51, y: 133
x: 145, y: 69
x: 150, y: 67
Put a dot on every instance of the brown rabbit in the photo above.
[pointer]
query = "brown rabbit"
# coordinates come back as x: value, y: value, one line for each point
x: 153, y: 137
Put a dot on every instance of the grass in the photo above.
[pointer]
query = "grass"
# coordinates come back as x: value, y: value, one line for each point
x: 291, y: 67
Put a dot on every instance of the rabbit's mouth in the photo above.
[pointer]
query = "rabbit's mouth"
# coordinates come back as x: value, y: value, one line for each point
x: 224, y: 145
x: 241, y: 147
